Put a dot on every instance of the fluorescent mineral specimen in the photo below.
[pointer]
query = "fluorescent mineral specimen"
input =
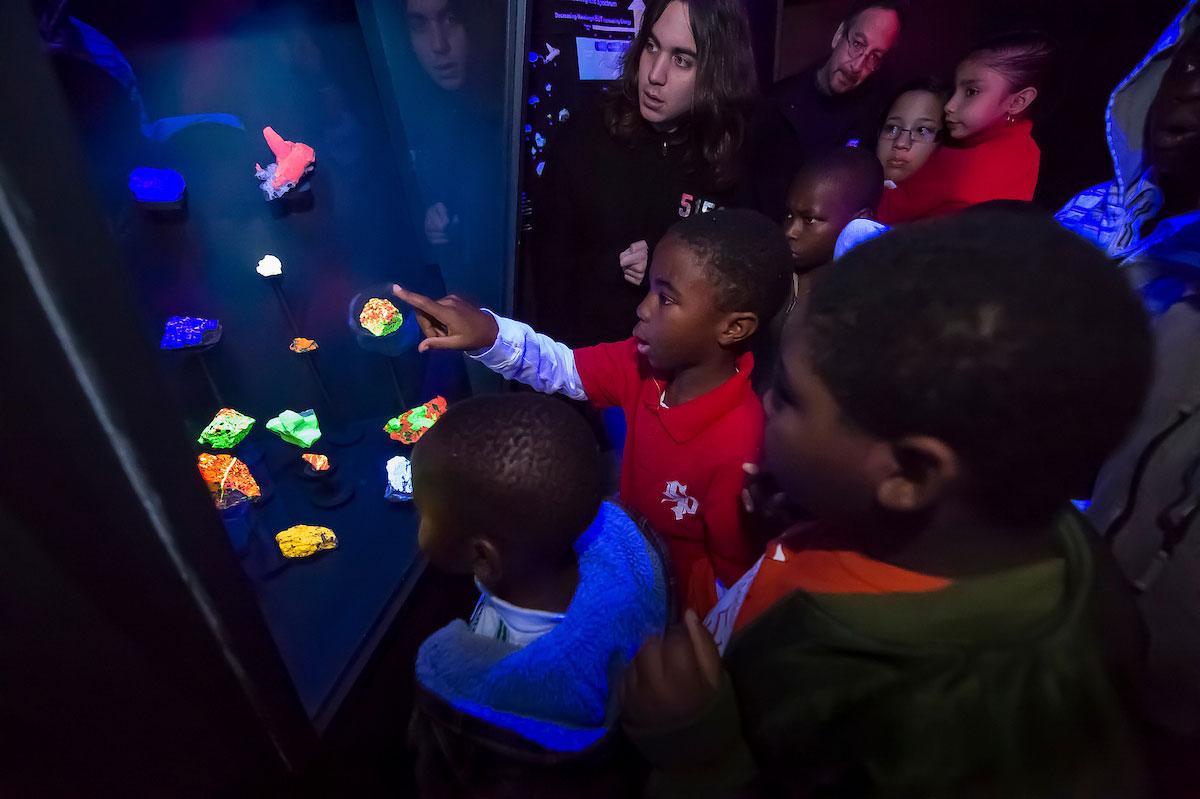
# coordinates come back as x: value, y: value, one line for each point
x: 302, y: 540
x: 181, y: 332
x: 228, y: 479
x: 409, y: 426
x: 380, y: 317
x: 399, y: 484
x: 300, y: 344
x: 226, y: 430
x: 300, y: 429
x: 269, y: 266
x: 319, y: 463
x: 293, y: 160
x: 156, y: 186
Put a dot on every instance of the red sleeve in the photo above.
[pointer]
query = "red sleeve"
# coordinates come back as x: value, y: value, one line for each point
x: 609, y: 373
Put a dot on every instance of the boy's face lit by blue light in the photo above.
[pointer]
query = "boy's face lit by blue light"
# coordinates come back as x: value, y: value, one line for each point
x: 439, y: 41
x: 817, y: 211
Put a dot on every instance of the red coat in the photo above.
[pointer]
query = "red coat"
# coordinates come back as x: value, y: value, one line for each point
x: 1000, y: 163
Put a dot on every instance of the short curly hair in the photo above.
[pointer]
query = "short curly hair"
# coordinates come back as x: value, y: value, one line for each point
x: 996, y: 331
x: 746, y: 256
x: 522, y: 467
x: 856, y: 173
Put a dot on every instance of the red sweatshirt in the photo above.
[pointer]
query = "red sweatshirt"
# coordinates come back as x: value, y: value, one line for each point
x: 1000, y: 163
x: 683, y: 465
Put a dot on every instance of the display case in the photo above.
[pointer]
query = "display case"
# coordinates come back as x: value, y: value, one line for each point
x: 208, y: 204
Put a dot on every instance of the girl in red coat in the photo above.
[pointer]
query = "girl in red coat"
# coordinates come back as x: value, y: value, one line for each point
x: 990, y: 154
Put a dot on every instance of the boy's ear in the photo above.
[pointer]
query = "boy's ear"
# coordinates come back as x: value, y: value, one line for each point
x: 925, y: 467
x: 737, y: 327
x: 1021, y: 100
x: 486, y: 563
x: 863, y: 213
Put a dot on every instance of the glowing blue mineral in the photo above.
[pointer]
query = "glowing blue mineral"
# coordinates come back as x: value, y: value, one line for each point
x: 150, y: 185
x: 189, y: 331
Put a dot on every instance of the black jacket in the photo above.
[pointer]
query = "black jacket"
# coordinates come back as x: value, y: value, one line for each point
x: 600, y: 195
x: 800, y: 122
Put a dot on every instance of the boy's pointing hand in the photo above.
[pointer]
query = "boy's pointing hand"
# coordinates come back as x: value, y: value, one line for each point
x: 450, y: 323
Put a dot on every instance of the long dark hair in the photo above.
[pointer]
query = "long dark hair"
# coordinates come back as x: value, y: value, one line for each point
x: 725, y: 85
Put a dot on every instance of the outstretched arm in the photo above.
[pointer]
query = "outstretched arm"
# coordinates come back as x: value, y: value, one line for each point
x: 510, y: 348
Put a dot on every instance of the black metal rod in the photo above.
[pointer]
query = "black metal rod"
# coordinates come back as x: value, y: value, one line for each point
x: 211, y: 383
x: 396, y: 383
x: 334, y: 410
x: 287, y: 309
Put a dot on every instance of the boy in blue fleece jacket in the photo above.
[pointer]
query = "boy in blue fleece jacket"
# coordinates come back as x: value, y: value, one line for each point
x: 509, y: 490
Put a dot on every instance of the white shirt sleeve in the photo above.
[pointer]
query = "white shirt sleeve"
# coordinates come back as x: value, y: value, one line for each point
x: 536, y: 360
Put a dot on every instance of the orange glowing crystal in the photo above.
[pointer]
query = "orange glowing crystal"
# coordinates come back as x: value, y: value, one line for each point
x: 301, y: 344
x: 319, y: 463
x: 229, y: 480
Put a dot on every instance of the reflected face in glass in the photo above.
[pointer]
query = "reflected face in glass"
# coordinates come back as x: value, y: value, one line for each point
x: 667, y: 68
x: 440, y: 41
x: 436, y: 536
x: 859, y: 50
x: 909, y: 134
x: 981, y: 99
x: 678, y: 320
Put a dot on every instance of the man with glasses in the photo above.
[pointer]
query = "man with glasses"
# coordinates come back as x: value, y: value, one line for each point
x: 828, y: 104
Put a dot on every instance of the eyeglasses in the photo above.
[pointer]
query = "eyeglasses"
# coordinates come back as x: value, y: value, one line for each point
x: 858, y: 49
x: 921, y: 134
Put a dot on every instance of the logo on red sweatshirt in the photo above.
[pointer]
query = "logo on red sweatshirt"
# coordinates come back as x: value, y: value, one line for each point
x: 684, y: 505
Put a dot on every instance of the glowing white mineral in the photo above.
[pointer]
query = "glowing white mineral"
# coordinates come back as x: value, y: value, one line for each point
x: 269, y: 266
x: 399, y: 473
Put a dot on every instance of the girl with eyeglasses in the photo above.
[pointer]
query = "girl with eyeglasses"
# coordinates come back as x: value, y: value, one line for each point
x: 912, y: 130
x: 988, y: 152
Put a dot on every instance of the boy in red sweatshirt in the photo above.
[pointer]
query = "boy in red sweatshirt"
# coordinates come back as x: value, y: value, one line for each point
x: 683, y: 380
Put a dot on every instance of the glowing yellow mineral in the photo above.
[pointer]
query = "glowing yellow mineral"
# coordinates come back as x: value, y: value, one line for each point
x: 302, y: 540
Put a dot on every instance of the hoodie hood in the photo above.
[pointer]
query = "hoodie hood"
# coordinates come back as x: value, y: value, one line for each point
x: 1112, y: 215
x: 1129, y: 104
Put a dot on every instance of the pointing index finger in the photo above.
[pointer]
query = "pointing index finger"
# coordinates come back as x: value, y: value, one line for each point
x: 418, y: 301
